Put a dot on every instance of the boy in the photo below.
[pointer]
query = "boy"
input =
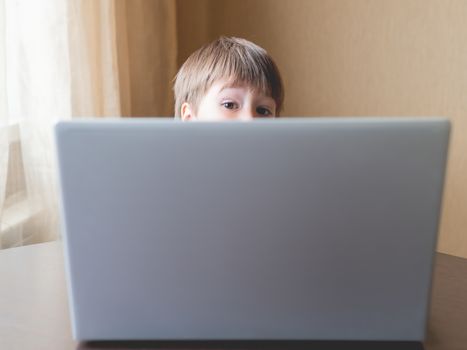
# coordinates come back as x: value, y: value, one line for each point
x: 228, y: 79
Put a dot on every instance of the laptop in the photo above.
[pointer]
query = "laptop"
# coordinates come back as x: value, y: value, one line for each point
x: 286, y: 229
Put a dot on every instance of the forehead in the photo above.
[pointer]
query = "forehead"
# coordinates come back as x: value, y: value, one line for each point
x: 225, y: 84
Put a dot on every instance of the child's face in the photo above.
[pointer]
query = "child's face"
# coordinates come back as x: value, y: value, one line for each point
x: 226, y: 102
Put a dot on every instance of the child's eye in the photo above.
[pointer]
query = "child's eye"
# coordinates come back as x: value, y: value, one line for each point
x: 263, y: 111
x: 230, y: 105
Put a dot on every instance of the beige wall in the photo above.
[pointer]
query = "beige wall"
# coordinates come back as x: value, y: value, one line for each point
x: 359, y: 57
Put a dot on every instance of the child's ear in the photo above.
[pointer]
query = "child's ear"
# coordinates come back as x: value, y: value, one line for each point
x: 186, y: 112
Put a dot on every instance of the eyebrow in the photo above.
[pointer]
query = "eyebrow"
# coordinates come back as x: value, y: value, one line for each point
x: 233, y: 86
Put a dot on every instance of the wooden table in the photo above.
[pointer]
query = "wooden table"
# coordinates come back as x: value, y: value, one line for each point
x: 34, y: 309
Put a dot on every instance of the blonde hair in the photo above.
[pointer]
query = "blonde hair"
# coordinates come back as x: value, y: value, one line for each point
x: 238, y: 60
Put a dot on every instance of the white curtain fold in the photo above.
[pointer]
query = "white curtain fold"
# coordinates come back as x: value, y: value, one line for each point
x: 92, y: 30
x: 36, y: 93
x: 58, y: 60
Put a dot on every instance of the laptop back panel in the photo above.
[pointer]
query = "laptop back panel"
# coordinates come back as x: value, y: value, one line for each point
x: 285, y: 229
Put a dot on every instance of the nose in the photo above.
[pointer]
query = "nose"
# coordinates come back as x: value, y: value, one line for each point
x: 246, y: 115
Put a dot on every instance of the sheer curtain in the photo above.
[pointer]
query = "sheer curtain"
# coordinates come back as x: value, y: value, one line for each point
x: 59, y: 59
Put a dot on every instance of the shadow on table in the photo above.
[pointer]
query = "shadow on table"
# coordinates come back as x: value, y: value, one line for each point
x: 254, y: 345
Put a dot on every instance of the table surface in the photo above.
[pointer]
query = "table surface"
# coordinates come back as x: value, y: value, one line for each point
x: 34, y: 309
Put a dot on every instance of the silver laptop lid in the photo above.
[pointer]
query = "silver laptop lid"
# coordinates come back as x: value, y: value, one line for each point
x: 274, y: 229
